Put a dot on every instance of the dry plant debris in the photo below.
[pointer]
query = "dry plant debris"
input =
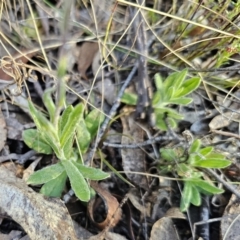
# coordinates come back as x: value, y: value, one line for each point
x: 41, y: 218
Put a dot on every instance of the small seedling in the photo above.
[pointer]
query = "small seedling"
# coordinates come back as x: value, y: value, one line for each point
x: 69, y: 139
x: 189, y: 168
x: 172, y: 91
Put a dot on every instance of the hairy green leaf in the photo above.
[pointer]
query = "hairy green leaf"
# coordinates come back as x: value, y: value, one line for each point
x: 206, y: 186
x: 180, y: 101
x: 175, y: 79
x: 188, y: 86
x: 215, y: 155
x: 168, y: 154
x: 40, y: 120
x: 55, y: 187
x: 46, y: 174
x: 171, y: 122
x: 34, y: 139
x: 158, y: 82
x: 53, y: 143
x: 196, y: 197
x: 160, y: 123
x: 212, y: 163
x: 46, y: 128
x: 70, y: 126
x: 195, y: 147
x: 174, y: 114
x: 129, y: 98
x: 83, y: 136
x: 49, y: 104
x: 68, y: 148
x: 77, y: 181
x: 205, y: 151
x: 91, y: 173
x: 180, y: 78
x: 186, y: 196
x: 184, y: 170
x: 93, y: 121
x: 168, y: 94
x: 157, y: 100
x: 64, y: 118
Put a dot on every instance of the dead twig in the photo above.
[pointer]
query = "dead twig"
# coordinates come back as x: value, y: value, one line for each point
x: 225, y: 184
x: 138, y: 145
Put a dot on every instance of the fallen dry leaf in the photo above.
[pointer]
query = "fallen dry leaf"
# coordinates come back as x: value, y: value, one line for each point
x: 133, y: 159
x: 86, y: 55
x: 111, y: 205
x: 134, y: 199
x: 163, y: 229
x: 96, y: 65
x: 30, y: 170
x: 176, y: 213
x: 223, y: 120
x: 40, y: 217
x: 231, y: 220
x: 107, y: 89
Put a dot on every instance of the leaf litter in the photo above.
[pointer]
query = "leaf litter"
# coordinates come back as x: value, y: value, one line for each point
x: 100, y: 57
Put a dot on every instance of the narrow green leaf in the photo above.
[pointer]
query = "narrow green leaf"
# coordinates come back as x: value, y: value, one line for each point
x: 157, y: 99
x: 206, y: 186
x: 195, y: 147
x: 205, y: 151
x: 184, y: 170
x: 83, y: 136
x: 93, y: 120
x: 49, y: 104
x: 158, y: 82
x: 180, y: 79
x: 91, y: 173
x: 78, y: 183
x: 160, y: 123
x: 34, y: 140
x: 70, y: 126
x: 168, y: 94
x: 46, y: 128
x: 62, y: 66
x: 174, y: 114
x: 180, y: 101
x: 46, y: 174
x: 168, y: 154
x: 215, y: 155
x: 168, y: 112
x: 68, y: 147
x: 40, y: 120
x: 129, y: 98
x: 35, y: 116
x: 175, y: 78
x: 189, y: 86
x: 55, y: 187
x: 212, y: 163
x: 53, y: 143
x: 186, y: 196
x: 172, y: 123
x: 64, y: 118
x: 196, y: 197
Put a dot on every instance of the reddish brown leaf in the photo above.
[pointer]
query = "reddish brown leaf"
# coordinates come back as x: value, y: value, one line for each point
x: 86, y: 56
x: 111, y: 204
